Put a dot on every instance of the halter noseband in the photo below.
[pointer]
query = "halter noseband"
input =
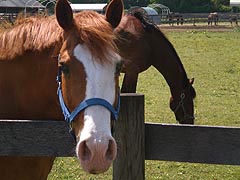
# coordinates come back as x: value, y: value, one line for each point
x: 70, y: 116
x: 181, y: 105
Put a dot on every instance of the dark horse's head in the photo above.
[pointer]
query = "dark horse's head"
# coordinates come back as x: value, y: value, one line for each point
x: 181, y: 103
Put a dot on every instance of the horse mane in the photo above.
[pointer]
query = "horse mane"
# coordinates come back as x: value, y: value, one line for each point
x: 30, y: 34
x: 39, y: 33
x: 147, y: 23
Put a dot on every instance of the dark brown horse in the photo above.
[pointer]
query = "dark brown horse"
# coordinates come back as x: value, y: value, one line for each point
x: 233, y: 18
x: 175, y: 17
x: 143, y: 45
x: 80, y: 51
x: 213, y: 17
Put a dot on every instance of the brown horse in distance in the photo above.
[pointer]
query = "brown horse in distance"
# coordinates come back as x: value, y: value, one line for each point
x: 175, y: 17
x: 81, y: 52
x: 142, y: 45
x: 234, y: 18
x: 213, y: 17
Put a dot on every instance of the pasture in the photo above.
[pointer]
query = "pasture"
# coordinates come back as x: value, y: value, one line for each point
x: 212, y: 58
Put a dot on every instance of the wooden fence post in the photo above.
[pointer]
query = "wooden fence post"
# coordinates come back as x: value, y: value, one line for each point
x: 130, y: 138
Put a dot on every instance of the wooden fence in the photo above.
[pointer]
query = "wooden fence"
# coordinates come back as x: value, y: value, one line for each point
x: 137, y: 141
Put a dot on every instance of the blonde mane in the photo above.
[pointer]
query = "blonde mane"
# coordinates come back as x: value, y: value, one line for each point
x: 39, y: 33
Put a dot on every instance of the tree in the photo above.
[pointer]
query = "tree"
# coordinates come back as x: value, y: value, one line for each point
x: 195, y: 5
x: 174, y: 5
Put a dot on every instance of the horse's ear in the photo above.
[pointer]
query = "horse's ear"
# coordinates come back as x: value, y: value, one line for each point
x: 64, y: 14
x: 191, y: 81
x: 114, y: 12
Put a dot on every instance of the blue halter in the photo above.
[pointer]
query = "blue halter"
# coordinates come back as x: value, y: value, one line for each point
x: 70, y: 116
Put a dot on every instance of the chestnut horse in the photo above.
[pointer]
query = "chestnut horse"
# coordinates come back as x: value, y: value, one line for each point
x: 142, y: 45
x: 80, y: 51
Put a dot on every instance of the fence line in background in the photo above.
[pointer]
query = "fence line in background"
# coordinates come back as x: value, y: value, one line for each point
x: 194, y: 18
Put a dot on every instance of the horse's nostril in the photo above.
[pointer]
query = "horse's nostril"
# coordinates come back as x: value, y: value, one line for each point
x: 84, y: 151
x: 110, y: 153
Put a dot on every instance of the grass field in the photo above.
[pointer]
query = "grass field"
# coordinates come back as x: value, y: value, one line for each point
x: 213, y: 59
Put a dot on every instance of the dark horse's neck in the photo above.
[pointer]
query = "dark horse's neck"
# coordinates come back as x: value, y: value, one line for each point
x: 168, y: 63
x: 164, y: 57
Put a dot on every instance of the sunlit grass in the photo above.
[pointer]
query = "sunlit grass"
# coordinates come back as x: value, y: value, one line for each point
x: 213, y: 59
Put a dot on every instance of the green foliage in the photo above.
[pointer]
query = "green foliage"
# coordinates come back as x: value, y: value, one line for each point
x: 174, y: 5
x: 195, y: 5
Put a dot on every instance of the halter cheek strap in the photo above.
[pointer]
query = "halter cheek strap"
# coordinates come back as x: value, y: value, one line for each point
x: 181, y: 105
x: 70, y: 116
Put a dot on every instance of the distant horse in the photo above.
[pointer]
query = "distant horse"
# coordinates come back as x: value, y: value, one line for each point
x: 80, y: 51
x: 234, y: 18
x: 175, y: 17
x: 141, y: 45
x: 213, y: 17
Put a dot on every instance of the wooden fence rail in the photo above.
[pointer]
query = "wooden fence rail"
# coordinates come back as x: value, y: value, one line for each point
x: 198, y: 144
x: 136, y: 140
x: 35, y: 138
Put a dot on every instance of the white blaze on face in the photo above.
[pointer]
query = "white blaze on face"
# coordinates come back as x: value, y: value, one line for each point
x: 100, y: 83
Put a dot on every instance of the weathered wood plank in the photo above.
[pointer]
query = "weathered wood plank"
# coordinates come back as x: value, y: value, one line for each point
x: 129, y: 134
x: 199, y: 144
x: 35, y: 138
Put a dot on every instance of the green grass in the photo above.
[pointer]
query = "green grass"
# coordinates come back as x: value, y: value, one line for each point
x: 213, y: 59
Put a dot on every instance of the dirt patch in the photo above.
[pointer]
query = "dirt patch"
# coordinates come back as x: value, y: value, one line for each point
x: 184, y: 28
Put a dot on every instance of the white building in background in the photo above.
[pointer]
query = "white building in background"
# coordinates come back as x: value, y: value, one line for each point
x: 93, y: 7
x: 235, y: 3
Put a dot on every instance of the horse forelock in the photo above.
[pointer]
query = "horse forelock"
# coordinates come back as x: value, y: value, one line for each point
x: 97, y: 34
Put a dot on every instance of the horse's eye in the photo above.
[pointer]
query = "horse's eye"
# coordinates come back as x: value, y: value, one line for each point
x: 64, y: 67
x: 118, y: 68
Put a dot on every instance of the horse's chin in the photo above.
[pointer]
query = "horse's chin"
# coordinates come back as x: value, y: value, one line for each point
x: 98, y: 169
x: 186, y: 121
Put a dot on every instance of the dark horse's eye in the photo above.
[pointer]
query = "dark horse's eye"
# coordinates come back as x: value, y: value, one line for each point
x: 64, y: 67
x: 118, y: 68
